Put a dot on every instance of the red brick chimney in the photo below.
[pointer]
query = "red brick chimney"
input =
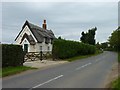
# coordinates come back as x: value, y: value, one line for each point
x: 44, y: 25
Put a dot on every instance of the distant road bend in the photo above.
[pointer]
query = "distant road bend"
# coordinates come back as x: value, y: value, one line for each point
x: 86, y: 73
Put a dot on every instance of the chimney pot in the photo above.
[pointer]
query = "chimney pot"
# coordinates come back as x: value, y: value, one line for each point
x: 44, y: 21
x: 44, y: 24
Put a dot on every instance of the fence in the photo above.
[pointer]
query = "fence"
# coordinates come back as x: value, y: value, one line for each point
x: 33, y: 56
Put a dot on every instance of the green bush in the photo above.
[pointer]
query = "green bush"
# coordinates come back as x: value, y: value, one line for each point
x: 116, y: 84
x: 12, y: 55
x: 119, y: 57
x: 65, y: 49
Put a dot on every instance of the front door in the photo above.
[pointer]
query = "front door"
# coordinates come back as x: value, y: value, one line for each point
x: 26, y: 48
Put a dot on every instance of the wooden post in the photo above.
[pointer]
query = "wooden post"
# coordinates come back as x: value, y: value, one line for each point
x: 41, y: 58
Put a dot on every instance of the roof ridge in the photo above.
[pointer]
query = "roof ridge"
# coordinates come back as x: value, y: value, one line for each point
x: 37, y: 26
x: 34, y: 24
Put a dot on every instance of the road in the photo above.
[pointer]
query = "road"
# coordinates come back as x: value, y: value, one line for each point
x: 86, y: 73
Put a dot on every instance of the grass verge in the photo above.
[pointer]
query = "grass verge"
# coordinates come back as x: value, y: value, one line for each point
x: 83, y: 56
x: 13, y: 70
x: 116, y: 83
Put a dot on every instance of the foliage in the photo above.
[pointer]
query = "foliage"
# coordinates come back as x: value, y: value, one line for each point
x: 59, y: 37
x: 104, y: 45
x: 66, y: 49
x: 116, y: 84
x: 98, y: 46
x: 89, y: 37
x: 83, y: 56
x: 119, y: 57
x: 12, y: 55
x: 114, y: 40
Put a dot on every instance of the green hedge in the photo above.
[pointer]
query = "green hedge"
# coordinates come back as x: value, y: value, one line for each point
x: 12, y: 55
x: 63, y: 49
x: 119, y: 57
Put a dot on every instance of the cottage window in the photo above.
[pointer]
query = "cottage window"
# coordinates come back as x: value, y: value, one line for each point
x: 47, y: 40
x: 51, y: 41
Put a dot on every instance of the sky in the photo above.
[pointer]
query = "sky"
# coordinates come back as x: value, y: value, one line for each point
x: 65, y: 19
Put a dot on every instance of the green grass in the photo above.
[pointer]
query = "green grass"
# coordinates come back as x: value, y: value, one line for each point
x: 116, y: 84
x: 83, y: 56
x: 13, y: 70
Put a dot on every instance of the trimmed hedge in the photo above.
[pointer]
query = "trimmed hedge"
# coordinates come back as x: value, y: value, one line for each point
x: 63, y: 49
x: 12, y: 55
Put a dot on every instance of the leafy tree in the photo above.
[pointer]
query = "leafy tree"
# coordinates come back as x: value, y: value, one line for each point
x: 104, y: 45
x: 114, y: 39
x: 89, y: 36
x: 98, y: 46
x: 59, y: 37
x: 83, y: 37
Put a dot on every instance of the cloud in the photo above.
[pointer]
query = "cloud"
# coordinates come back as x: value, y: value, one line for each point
x: 66, y: 19
x: 60, y: 0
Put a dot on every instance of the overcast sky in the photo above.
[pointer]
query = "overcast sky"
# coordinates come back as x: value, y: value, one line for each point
x: 66, y: 19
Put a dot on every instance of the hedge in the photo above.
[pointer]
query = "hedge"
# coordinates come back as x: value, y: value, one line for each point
x: 63, y: 49
x: 12, y: 55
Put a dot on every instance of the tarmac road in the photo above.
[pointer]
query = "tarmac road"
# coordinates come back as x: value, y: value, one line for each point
x: 85, y: 73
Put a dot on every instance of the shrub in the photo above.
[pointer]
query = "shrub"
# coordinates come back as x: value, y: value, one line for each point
x: 63, y: 49
x: 119, y: 57
x: 12, y: 55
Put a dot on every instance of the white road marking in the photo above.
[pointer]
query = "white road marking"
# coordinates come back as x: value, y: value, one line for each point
x: 48, y: 81
x: 83, y: 66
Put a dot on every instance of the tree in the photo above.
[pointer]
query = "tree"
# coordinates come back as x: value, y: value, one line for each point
x: 114, y: 39
x: 83, y: 37
x: 59, y: 37
x: 89, y: 36
x: 104, y: 45
x: 98, y: 45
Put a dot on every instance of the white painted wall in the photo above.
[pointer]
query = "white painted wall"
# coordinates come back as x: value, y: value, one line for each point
x: 32, y: 48
x: 44, y: 47
x: 27, y: 31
